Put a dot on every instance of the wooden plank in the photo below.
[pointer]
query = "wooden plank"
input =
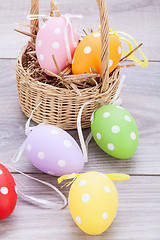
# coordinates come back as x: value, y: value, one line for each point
x: 138, y: 18
x: 137, y: 217
x: 140, y: 97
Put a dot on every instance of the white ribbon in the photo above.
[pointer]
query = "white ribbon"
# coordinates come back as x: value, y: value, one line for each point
x: 66, y: 38
x: 17, y: 157
x: 84, y: 145
x: 38, y: 200
x: 67, y: 18
x: 80, y: 134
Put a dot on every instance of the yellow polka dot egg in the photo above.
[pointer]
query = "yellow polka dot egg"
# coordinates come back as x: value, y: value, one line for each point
x: 88, y: 54
x: 93, y: 202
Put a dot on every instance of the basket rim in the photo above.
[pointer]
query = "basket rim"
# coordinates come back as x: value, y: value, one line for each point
x: 45, y: 87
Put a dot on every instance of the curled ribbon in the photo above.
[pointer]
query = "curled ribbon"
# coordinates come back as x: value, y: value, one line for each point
x: 112, y: 176
x: 143, y: 63
x: 127, y: 39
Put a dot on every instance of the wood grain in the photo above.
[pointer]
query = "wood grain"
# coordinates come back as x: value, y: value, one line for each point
x: 139, y: 209
x: 137, y: 217
x: 123, y: 16
x: 139, y: 93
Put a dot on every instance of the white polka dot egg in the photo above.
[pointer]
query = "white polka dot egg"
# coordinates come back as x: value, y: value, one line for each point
x: 88, y: 54
x: 56, y: 37
x: 8, y: 193
x: 93, y: 202
x: 53, y: 151
x: 115, y: 131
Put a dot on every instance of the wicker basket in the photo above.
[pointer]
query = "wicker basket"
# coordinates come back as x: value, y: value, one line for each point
x: 60, y: 106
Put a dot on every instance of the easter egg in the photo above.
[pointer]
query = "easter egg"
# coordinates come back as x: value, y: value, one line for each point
x: 88, y: 54
x: 115, y: 131
x: 53, y: 151
x: 93, y: 202
x: 8, y: 193
x: 56, y: 37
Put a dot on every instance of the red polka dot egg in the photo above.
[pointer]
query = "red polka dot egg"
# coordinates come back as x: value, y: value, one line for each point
x: 88, y: 54
x: 8, y: 193
x: 57, y: 37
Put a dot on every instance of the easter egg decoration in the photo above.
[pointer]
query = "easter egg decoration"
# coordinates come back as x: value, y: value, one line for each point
x: 93, y: 202
x: 8, y: 193
x: 115, y: 131
x: 88, y: 54
x: 57, y: 37
x: 53, y: 151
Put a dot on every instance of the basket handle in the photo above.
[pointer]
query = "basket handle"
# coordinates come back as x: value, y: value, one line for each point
x: 34, y: 27
x: 104, y: 44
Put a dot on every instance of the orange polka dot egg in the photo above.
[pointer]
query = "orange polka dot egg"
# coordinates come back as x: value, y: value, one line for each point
x: 88, y: 54
x: 93, y: 202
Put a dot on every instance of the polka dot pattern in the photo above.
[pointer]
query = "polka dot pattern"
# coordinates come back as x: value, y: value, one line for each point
x: 41, y: 57
x: 39, y: 43
x: 115, y: 129
x: 57, y: 31
x: 97, y: 34
x: 55, y: 45
x: 54, y: 132
x: 119, y: 50
x: 83, y: 182
x: 15, y: 188
x: 41, y: 155
x: 106, y: 114
x: 110, y: 62
x: 107, y: 189
x: 127, y: 118
x: 78, y: 220
x: 29, y: 147
x: 61, y: 163
x: 87, y: 50
x: 86, y: 198
x: 98, y: 136
x: 51, y: 173
x: 105, y: 215
x: 110, y: 146
x: 93, y: 208
x: 87, y: 54
x: 119, y: 133
x: 4, y: 190
x: 54, y: 151
x: 133, y: 136
x: 67, y: 144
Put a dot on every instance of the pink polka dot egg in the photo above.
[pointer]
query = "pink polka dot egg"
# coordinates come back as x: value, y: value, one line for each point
x: 53, y: 151
x: 57, y: 37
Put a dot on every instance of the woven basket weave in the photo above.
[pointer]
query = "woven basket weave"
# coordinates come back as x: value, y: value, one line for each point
x: 60, y: 106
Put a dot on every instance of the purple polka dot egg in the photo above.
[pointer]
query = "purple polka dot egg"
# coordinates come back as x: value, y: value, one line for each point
x: 57, y: 37
x: 53, y: 151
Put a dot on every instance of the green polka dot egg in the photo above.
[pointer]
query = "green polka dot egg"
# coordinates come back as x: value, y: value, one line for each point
x: 93, y: 202
x: 115, y: 131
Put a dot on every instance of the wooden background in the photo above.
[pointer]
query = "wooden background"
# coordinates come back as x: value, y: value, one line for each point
x: 139, y: 199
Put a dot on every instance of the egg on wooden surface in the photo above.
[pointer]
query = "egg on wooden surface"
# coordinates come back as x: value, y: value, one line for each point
x: 88, y: 54
x: 93, y: 202
x: 53, y: 151
x: 51, y: 39
x: 8, y: 193
x: 115, y: 131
